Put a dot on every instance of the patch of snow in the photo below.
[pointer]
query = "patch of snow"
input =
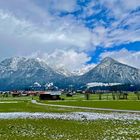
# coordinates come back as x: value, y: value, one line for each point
x: 36, y: 84
x: 14, y: 63
x: 78, y: 72
x: 72, y: 116
x: 95, y: 84
x: 83, y: 70
x: 63, y: 71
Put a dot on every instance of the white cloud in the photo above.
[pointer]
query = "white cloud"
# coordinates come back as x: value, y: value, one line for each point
x: 125, y: 27
x: 65, y: 5
x: 131, y: 58
x: 122, y: 31
x: 25, y: 9
x: 47, y: 29
x: 29, y: 26
x: 68, y: 60
x: 25, y: 37
x: 120, y: 8
x: 61, y: 41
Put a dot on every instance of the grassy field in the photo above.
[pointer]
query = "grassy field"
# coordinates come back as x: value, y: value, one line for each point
x: 79, y: 100
x: 106, y: 96
x: 22, y: 98
x: 27, y: 106
x: 48, y: 129
x: 54, y: 129
x: 24, y: 103
x: 123, y: 105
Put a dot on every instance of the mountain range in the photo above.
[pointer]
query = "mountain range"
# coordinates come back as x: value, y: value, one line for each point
x: 112, y: 71
x: 21, y: 73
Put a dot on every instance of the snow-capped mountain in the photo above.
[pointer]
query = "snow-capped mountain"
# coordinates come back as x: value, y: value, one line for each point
x: 21, y: 73
x: 16, y: 73
x: 78, y: 72
x: 111, y: 71
x: 57, y: 68
x: 63, y: 71
x: 83, y: 70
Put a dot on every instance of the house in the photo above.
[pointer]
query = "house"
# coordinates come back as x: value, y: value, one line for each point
x: 50, y: 95
x: 33, y: 93
x: 16, y: 94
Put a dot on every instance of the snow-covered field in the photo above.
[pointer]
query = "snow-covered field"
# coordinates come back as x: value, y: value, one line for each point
x: 72, y: 116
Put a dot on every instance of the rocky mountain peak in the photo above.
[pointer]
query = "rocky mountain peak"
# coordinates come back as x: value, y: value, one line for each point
x: 20, y: 73
x: 108, y: 60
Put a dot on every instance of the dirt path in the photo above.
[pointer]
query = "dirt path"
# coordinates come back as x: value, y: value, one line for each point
x: 87, y: 108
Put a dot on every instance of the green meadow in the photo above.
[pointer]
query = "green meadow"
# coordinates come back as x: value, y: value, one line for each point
x: 57, y: 129
x: 122, y: 105
x: 49, y: 129
x: 106, y: 102
x: 27, y: 106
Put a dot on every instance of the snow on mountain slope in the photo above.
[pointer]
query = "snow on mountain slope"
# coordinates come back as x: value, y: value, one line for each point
x: 111, y: 71
x: 20, y: 73
x: 83, y: 70
x: 74, y: 73
x: 23, y: 72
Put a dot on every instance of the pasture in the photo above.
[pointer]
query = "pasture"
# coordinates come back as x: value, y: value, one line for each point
x: 122, y: 105
x: 49, y: 129
x: 106, y: 102
x: 70, y: 129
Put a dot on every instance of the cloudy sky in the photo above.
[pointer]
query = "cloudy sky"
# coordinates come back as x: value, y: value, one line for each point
x: 71, y: 33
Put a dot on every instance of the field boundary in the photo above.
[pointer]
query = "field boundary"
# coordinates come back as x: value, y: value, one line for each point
x: 86, y: 108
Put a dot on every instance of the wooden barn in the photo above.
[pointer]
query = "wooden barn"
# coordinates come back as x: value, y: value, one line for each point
x: 16, y: 94
x: 50, y: 95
